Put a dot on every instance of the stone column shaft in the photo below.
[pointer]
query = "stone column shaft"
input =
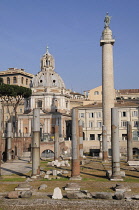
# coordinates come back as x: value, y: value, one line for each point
x: 75, y: 171
x: 104, y: 144
x: 80, y: 140
x: 116, y: 175
x: 108, y: 93
x: 129, y: 142
x: 56, y: 143
x: 36, y: 143
x: 9, y: 140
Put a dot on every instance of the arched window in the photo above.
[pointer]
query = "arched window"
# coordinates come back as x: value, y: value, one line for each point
x: 26, y: 81
x: 8, y: 80
x: 14, y: 80
x: 22, y: 80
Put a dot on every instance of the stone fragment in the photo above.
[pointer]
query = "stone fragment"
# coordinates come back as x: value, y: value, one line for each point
x: 42, y: 187
x: 54, y: 172
x: 49, y: 164
x: 72, y: 187
x: 23, y: 187
x: 49, y: 172
x: 29, y: 180
x: 103, y: 195
x: 135, y: 197
x: 46, y: 176
x: 121, y: 188
x: 119, y: 196
x: 25, y: 194
x: 12, y: 195
x: 65, y: 172
x: 78, y: 195
x: 57, y: 194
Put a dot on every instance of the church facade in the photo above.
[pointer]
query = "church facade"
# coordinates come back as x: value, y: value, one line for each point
x: 51, y: 96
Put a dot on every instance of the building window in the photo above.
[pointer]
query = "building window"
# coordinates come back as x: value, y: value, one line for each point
x: 14, y: 80
x: 99, y: 137
x: 20, y: 110
x: 39, y: 104
x: 123, y: 123
x: 96, y: 93
x: 8, y: 80
x: 90, y: 124
x: 82, y: 115
x: 136, y: 123
x: 98, y: 114
x: 99, y: 124
x: 92, y: 136
x: 22, y: 80
x: 124, y: 136
x: 135, y: 114
x: 123, y: 114
x: 91, y: 115
x: 26, y: 81
x: 66, y: 104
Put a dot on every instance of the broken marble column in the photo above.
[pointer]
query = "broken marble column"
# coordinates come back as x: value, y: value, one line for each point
x: 75, y: 169
x: 104, y: 144
x: 9, y: 140
x: 129, y: 142
x: 116, y: 175
x: 56, y: 143
x: 80, y: 140
x: 36, y: 143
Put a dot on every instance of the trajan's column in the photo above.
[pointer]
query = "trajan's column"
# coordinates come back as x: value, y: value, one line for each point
x: 108, y: 93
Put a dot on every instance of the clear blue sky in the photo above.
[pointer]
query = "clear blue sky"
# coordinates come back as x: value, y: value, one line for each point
x: 72, y: 30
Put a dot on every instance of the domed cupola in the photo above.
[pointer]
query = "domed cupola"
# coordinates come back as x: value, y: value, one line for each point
x: 47, y: 77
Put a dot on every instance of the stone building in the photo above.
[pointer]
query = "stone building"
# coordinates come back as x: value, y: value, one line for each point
x: 13, y: 76
x: 91, y: 116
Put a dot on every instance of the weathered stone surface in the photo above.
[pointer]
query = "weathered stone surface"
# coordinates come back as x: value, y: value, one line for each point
x: 46, y: 176
x: 25, y: 194
x: 133, y: 163
x: 109, y: 173
x: 119, y: 196
x: 57, y: 194
x: 72, y: 187
x: 78, y: 195
x: 121, y: 188
x: 42, y: 187
x: 135, y: 197
x: 65, y: 172
x: 12, y: 195
x: 24, y: 185
x: 49, y: 172
x: 103, y: 195
x: 29, y: 180
x: 54, y: 172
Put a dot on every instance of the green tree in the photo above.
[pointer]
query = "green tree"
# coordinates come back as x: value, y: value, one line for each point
x: 13, y: 94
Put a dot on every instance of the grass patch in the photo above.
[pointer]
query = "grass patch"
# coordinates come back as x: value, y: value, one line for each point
x: 131, y: 180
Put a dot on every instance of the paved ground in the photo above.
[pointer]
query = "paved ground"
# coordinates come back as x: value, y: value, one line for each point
x: 18, y: 167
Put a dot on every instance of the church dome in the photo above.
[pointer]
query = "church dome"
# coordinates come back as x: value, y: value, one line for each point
x: 47, y: 77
